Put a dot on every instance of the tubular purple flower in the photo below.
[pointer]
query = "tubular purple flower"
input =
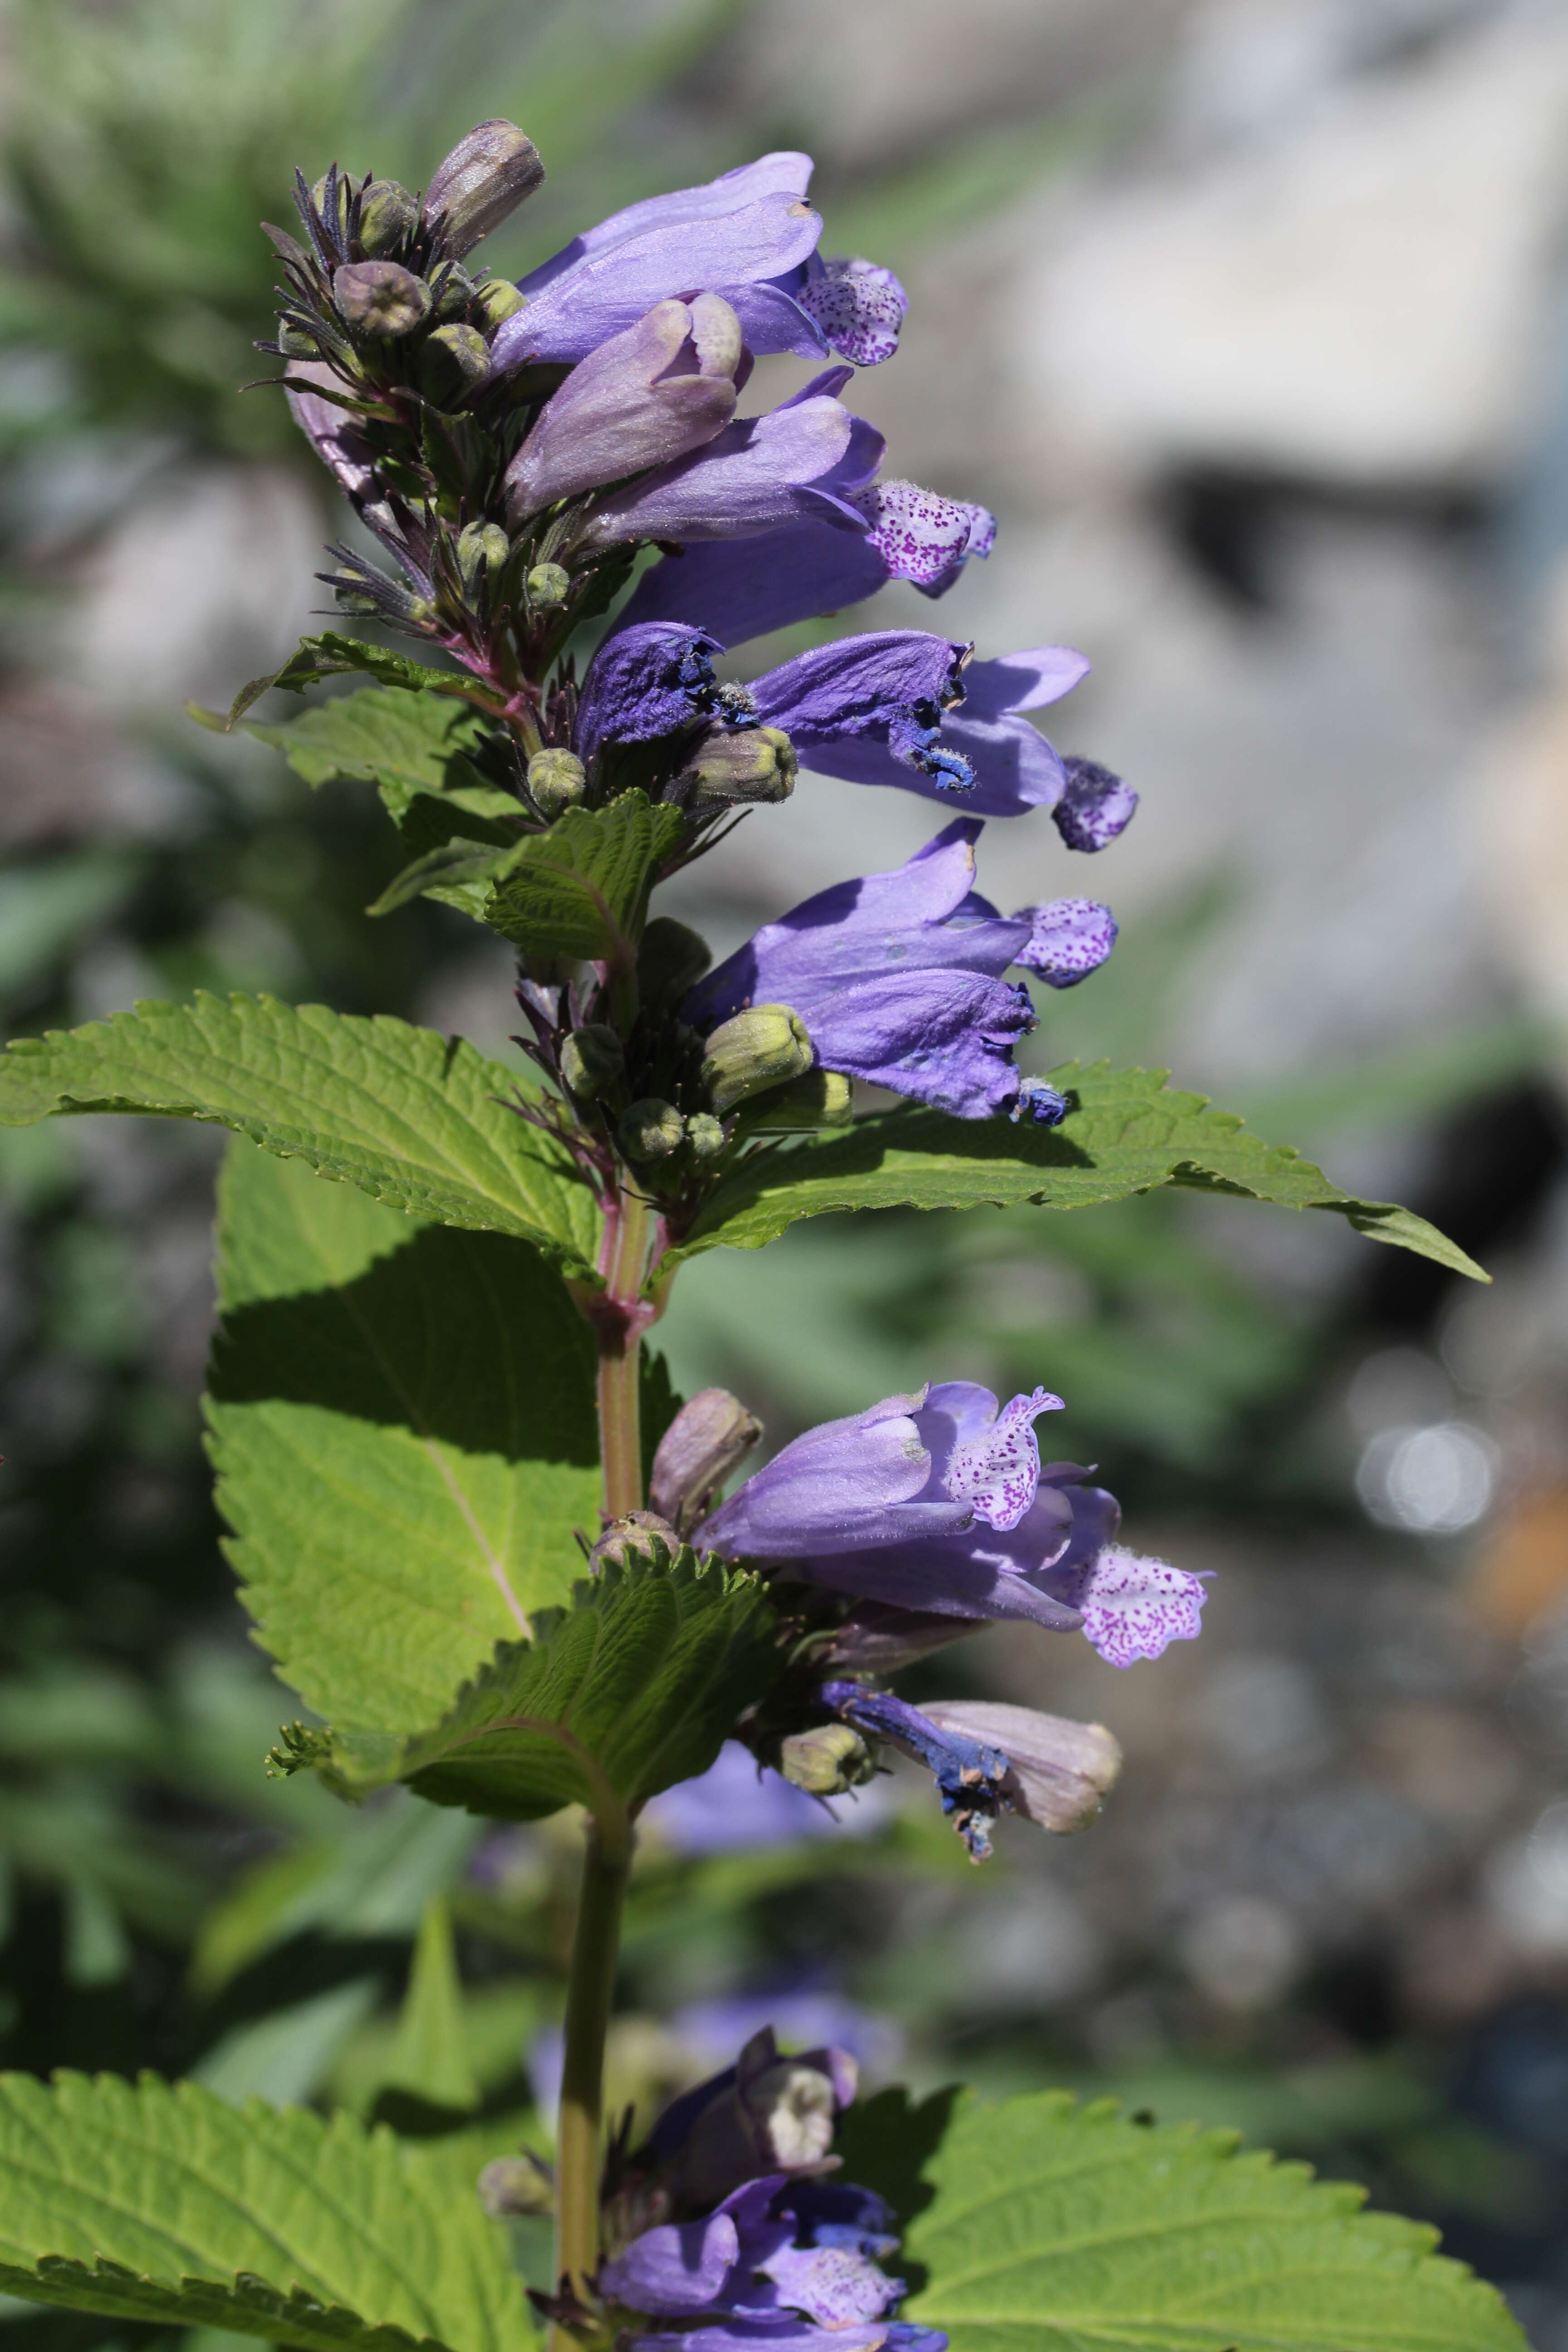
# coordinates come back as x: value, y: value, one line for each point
x: 661, y: 388
x: 912, y: 1467
x: 988, y: 1760
x: 761, y: 584
x: 878, y: 709
x: 645, y: 683
x: 898, y: 977
x: 766, y: 2113
x: 750, y: 234
x: 802, y: 459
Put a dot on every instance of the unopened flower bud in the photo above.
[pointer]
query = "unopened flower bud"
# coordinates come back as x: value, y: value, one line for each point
x: 708, y: 1436
x: 480, y: 184
x: 633, y: 1536
x: 592, y: 1060
x: 453, y: 361
x: 671, y: 959
x: 651, y: 1130
x: 763, y: 1046
x: 820, y: 1099
x: 453, y: 291
x: 743, y: 763
x: 333, y: 209
x: 499, y: 299
x: 547, y: 584
x: 557, y: 780
x: 295, y: 343
x: 705, y: 1135
x: 380, y: 298
x: 516, y: 2184
x: 482, y: 544
x: 386, y: 214
x: 827, y: 1761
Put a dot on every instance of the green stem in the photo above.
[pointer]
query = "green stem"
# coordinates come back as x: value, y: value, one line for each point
x: 620, y: 1320
x: 607, y: 1864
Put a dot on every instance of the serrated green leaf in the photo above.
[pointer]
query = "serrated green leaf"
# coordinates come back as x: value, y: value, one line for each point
x: 1126, y: 1132
x: 416, y: 748
x: 403, y: 1430
x: 459, y: 872
x: 332, y: 655
x: 580, y: 889
x: 1043, y: 2226
x: 163, y: 2203
x: 416, y: 1120
x: 634, y: 1687
x: 430, y: 2056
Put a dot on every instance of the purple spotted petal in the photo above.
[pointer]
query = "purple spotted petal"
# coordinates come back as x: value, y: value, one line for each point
x: 858, y: 307
x: 1134, y: 1607
x: 835, y: 2285
x: 1068, y: 939
x: 997, y: 1469
x: 643, y: 684
x: 1095, y: 804
x: 923, y: 536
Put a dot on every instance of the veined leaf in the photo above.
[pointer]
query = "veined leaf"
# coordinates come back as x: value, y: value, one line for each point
x: 403, y: 1430
x: 580, y: 889
x: 332, y: 655
x: 414, y: 1118
x: 1043, y: 2226
x: 164, y: 2203
x: 634, y: 1687
x: 416, y: 748
x: 460, y: 873
x: 1126, y: 1132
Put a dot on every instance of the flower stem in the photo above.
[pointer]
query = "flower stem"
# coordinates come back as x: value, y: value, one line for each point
x: 620, y: 1316
x: 606, y: 1862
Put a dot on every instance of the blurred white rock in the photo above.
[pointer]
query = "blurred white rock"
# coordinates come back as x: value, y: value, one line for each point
x: 1355, y: 299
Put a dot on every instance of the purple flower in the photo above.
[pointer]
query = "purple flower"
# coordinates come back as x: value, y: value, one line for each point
x: 750, y: 235
x: 766, y: 2113
x: 756, y: 585
x: 767, y: 2267
x: 1095, y: 806
x: 988, y: 1760
x: 645, y: 683
x: 912, y: 1467
x: 663, y: 386
x: 898, y: 977
x: 938, y: 1505
x: 899, y: 707
x: 799, y: 461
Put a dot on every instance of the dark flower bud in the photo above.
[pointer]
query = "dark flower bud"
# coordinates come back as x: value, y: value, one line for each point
x: 827, y: 1761
x: 516, y: 2184
x: 380, y: 298
x: 743, y: 763
x: 651, y: 1130
x: 671, y: 958
x: 705, y: 1135
x: 386, y: 214
x: 482, y: 544
x: 480, y: 184
x: 557, y: 781
x: 330, y: 197
x: 820, y: 1099
x: 763, y: 1046
x: 592, y: 1060
x: 499, y: 299
x: 707, y: 1438
x: 453, y: 361
x: 631, y: 1536
x: 547, y: 584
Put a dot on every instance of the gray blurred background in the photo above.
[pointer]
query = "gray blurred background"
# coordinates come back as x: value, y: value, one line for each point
x: 1249, y: 319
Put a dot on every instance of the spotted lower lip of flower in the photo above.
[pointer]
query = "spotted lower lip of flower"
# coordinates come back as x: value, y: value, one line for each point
x: 799, y: 461
x: 931, y: 1464
x: 665, y: 386
x: 758, y: 585
x: 898, y: 977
